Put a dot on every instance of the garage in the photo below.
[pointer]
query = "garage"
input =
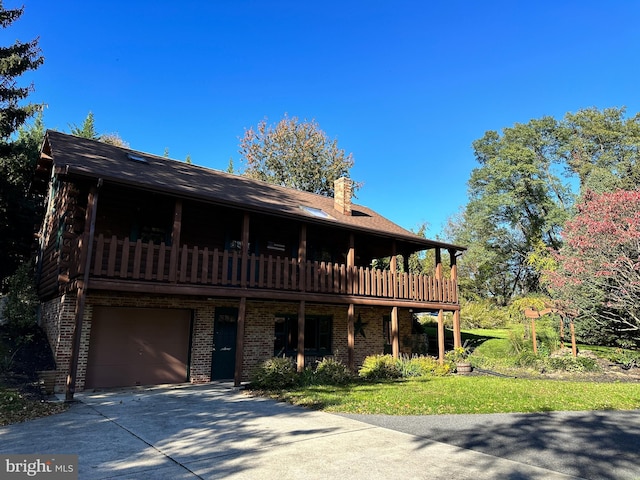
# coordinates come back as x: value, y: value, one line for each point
x: 138, y: 346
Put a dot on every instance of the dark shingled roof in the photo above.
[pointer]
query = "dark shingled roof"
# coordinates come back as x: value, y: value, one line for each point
x: 83, y: 157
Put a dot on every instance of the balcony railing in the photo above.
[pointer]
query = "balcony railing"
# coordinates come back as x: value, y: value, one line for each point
x: 121, y: 259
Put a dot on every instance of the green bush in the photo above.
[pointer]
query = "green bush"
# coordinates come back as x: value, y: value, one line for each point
x: 483, y: 314
x: 332, y: 372
x: 21, y: 307
x: 377, y: 367
x: 571, y: 364
x: 422, y: 366
x: 528, y: 359
x: 278, y: 372
x: 626, y: 358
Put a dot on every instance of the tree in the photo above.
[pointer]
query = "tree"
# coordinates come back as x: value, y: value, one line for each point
x: 516, y: 201
x: 17, y: 156
x: 294, y: 154
x: 87, y: 129
x: 15, y: 60
x: 598, y: 267
x: 602, y: 148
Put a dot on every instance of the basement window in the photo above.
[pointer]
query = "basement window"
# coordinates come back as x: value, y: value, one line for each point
x: 316, y: 212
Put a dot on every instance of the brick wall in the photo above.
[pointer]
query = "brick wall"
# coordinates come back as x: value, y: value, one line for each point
x: 58, y: 320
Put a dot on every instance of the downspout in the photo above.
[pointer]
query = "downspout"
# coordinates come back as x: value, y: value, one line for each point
x: 92, y: 205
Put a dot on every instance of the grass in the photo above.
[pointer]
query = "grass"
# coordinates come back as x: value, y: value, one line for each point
x: 473, y: 394
x: 455, y: 394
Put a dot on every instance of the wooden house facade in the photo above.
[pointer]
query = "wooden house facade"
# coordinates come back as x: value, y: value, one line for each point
x: 154, y: 271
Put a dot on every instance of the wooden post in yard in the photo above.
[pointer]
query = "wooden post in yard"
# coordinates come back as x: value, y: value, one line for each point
x: 574, y: 349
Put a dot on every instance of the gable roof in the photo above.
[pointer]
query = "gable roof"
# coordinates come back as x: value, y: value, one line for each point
x: 81, y: 157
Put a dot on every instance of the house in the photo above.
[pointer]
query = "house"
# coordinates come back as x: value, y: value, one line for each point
x: 154, y: 271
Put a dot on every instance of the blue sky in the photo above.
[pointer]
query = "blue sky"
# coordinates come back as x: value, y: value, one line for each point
x: 406, y: 86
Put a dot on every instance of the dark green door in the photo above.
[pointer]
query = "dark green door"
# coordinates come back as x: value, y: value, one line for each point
x: 223, y: 359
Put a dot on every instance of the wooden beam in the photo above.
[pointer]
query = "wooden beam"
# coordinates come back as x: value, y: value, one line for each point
x: 457, y: 336
x: 175, y: 240
x: 301, y: 309
x: 395, y: 333
x: 302, y: 257
x: 393, y: 267
x: 245, y: 249
x: 262, y: 294
x: 242, y: 313
x: 441, y: 337
x: 83, y: 284
x: 351, y: 337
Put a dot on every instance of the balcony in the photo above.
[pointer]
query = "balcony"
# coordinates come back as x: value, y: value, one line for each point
x: 122, y: 262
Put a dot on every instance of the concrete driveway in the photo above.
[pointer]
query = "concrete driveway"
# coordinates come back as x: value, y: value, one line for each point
x: 213, y: 431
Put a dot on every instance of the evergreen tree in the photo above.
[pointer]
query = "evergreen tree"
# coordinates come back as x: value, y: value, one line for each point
x: 18, y: 156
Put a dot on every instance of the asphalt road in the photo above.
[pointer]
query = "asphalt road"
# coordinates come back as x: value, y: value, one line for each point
x: 593, y: 445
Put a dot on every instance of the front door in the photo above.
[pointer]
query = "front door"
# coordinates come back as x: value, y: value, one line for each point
x: 223, y: 359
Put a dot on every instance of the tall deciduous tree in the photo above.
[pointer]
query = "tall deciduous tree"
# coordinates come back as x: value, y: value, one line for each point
x: 598, y: 267
x: 517, y: 200
x: 17, y: 156
x: 602, y: 147
x: 294, y: 154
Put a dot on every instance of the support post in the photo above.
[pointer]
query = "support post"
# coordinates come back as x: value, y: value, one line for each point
x: 351, y: 263
x: 242, y: 313
x: 395, y: 333
x: 300, y: 358
x: 393, y: 266
x: 302, y: 257
x: 441, y: 337
x: 457, y: 337
x: 175, y: 241
x: 83, y: 284
x: 244, y: 262
x: 351, y: 337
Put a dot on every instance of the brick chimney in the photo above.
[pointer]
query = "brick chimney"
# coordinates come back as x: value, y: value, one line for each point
x: 342, y: 195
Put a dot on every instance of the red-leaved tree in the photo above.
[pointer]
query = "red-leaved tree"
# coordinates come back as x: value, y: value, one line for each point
x: 598, y: 267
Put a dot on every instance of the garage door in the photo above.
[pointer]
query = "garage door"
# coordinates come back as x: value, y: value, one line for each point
x: 138, y: 346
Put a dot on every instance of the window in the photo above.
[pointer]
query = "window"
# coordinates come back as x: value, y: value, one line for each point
x: 316, y: 212
x: 317, y: 335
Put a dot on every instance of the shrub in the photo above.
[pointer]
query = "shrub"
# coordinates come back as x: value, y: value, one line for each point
x: 20, y: 309
x: 571, y: 364
x: 376, y: 367
x: 332, y: 372
x: 421, y: 366
x: 483, y: 314
x: 528, y: 359
x: 275, y: 373
x: 626, y: 358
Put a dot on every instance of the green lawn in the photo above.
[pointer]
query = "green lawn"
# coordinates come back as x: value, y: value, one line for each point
x: 466, y: 394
